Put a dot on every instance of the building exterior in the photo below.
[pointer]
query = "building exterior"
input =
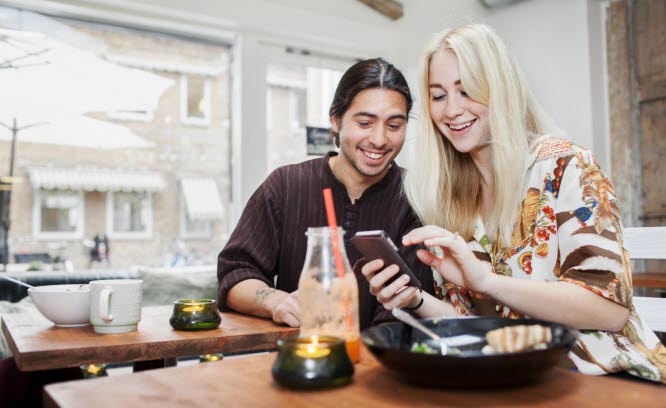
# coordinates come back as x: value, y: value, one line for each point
x: 158, y: 205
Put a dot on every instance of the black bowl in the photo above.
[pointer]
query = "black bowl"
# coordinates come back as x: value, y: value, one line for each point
x: 470, y: 367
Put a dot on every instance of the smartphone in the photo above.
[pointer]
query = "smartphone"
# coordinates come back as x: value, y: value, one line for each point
x: 377, y: 245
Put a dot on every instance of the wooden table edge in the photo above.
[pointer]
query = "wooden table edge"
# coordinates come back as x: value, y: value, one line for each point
x: 32, y: 360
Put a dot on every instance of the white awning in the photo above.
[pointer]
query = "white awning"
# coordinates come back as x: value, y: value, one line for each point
x: 95, y: 179
x: 202, y: 199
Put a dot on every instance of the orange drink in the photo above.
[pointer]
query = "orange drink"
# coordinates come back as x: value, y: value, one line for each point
x: 354, y: 349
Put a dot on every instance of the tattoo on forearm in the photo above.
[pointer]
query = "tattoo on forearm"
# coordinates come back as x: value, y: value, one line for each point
x: 262, y: 294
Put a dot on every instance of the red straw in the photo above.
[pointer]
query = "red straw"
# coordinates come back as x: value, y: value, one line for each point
x: 333, y: 224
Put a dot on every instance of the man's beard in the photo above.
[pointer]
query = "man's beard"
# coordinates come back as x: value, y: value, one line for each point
x: 352, y: 160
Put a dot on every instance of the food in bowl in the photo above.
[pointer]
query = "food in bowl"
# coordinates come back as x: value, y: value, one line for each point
x: 512, y: 339
x: 391, y: 343
x: 423, y: 348
x: 64, y: 305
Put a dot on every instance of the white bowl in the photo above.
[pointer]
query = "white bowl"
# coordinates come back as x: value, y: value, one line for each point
x: 64, y: 305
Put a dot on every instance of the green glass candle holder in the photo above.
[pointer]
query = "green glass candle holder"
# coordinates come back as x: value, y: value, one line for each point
x: 195, y: 314
x: 312, y: 363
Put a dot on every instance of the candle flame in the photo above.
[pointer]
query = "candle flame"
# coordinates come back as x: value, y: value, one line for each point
x: 93, y: 369
x: 195, y: 308
x: 314, y: 349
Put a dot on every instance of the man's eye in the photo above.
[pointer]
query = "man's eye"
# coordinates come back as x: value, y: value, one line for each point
x: 364, y: 124
x: 437, y: 97
x: 394, y: 126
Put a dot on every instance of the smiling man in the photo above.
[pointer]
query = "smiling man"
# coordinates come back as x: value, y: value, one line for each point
x: 259, y: 269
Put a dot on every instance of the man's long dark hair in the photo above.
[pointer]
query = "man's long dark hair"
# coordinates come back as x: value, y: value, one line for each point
x: 368, y: 74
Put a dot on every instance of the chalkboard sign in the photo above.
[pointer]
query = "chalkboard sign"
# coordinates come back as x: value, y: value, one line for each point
x: 320, y: 141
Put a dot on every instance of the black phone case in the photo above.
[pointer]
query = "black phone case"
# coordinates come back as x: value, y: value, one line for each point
x: 377, y: 246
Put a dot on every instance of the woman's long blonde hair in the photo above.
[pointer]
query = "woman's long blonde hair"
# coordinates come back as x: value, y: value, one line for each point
x: 443, y: 185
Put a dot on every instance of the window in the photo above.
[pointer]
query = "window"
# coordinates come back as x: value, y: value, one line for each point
x: 58, y: 214
x: 297, y: 110
x: 129, y: 215
x: 193, y: 228
x: 297, y: 96
x: 200, y: 206
x: 195, y: 106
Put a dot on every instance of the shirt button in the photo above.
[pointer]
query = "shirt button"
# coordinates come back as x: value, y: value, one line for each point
x: 497, y: 308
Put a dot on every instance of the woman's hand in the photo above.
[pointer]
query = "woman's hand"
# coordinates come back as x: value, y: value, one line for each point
x: 458, y: 266
x: 395, y: 294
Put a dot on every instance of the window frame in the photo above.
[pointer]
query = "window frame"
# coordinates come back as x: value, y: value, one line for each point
x: 294, y: 111
x: 50, y: 235
x: 139, y: 235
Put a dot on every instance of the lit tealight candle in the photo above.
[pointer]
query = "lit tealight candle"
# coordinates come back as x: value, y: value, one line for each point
x: 195, y: 314
x: 193, y: 309
x: 206, y: 358
x: 313, y: 349
x: 94, y: 370
x: 312, y: 362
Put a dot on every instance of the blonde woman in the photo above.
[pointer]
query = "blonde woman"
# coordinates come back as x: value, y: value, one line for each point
x: 525, y: 224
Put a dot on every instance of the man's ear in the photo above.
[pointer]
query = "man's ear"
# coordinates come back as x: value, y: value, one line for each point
x: 335, y: 124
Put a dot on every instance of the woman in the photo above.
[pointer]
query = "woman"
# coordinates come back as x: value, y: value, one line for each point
x: 524, y: 224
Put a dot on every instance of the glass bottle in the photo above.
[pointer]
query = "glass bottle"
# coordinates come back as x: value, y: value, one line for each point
x: 328, y: 301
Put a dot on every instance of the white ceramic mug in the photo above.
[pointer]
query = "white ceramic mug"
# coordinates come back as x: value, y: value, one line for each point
x: 115, y: 305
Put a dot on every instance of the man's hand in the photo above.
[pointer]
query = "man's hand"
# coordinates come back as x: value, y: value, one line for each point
x: 284, y: 306
x: 395, y: 294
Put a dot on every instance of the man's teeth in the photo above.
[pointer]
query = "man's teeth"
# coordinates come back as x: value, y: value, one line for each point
x: 462, y: 125
x: 373, y: 155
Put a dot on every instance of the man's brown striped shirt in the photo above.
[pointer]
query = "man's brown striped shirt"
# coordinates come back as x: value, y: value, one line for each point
x: 270, y: 239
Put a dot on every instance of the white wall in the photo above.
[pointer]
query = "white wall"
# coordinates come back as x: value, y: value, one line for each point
x: 551, y: 40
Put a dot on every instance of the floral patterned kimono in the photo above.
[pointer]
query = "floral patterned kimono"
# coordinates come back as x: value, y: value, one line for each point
x: 569, y: 229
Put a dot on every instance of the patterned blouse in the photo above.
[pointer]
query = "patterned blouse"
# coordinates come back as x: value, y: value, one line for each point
x: 569, y: 229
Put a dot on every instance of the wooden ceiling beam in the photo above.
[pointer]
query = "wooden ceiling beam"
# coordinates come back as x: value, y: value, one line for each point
x: 389, y: 8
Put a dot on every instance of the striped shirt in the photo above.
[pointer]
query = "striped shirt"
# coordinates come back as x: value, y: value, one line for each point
x: 270, y: 240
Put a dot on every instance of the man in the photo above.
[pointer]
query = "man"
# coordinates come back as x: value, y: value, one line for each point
x: 368, y: 119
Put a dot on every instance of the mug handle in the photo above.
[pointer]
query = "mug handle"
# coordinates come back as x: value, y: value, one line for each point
x: 105, y: 304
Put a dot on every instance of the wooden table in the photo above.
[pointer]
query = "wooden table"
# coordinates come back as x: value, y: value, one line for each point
x: 37, y: 344
x: 247, y: 382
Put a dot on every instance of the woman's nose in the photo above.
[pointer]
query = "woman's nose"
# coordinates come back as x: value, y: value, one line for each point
x: 453, y: 108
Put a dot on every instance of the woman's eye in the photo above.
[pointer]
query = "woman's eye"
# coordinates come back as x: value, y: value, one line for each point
x: 463, y: 93
x: 437, y: 97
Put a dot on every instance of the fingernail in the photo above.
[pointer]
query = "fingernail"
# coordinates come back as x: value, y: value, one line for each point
x: 404, y: 278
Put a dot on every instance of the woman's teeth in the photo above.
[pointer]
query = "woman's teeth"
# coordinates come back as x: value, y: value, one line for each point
x: 373, y: 155
x: 461, y: 125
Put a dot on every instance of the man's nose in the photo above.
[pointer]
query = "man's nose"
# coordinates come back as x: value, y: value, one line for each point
x: 378, y: 137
